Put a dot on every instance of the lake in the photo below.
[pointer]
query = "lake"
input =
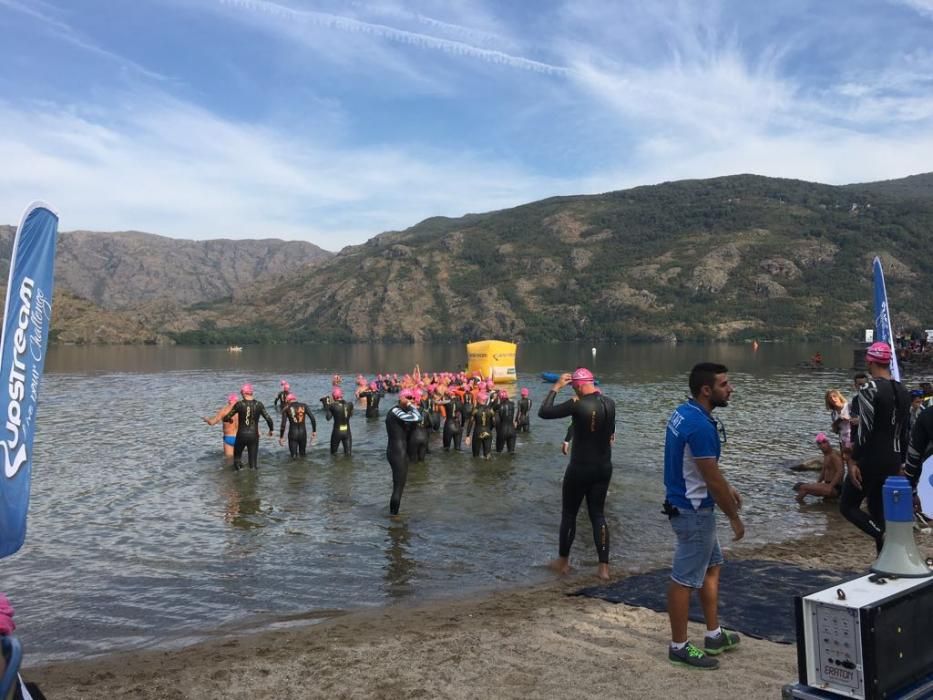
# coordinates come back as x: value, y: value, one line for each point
x: 140, y: 536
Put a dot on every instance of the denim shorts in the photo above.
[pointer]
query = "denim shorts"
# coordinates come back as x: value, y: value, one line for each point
x: 697, y: 546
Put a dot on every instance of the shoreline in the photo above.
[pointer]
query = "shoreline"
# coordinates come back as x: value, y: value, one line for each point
x: 516, y: 643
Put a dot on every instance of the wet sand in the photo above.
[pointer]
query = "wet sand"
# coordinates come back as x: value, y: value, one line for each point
x: 532, y: 642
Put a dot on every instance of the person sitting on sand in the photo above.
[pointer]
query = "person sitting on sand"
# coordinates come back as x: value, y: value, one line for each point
x: 829, y: 484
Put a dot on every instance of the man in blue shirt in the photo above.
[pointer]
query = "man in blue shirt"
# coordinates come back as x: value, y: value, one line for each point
x: 694, y: 485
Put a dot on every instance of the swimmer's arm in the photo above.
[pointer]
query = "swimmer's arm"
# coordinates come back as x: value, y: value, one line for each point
x: 310, y: 416
x: 231, y: 413
x: 561, y: 410
x: 265, y: 414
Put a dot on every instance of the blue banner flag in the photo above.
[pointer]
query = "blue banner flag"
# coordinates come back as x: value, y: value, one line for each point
x: 26, y: 319
x: 883, y: 330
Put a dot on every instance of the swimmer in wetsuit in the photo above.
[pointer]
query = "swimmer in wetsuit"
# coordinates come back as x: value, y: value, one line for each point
x: 479, y: 429
x: 418, y: 436
x: 295, y: 414
x: 453, y: 424
x: 247, y: 412
x: 372, y: 396
x: 590, y: 468
x: 399, y: 422
x: 505, y: 423
x: 281, y: 399
x: 523, y: 419
x: 340, y: 411
x: 228, y: 428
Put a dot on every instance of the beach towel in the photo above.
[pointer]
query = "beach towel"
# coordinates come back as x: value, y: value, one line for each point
x: 756, y: 597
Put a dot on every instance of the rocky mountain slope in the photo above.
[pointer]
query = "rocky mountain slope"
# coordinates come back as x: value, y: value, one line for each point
x: 126, y: 269
x: 732, y: 257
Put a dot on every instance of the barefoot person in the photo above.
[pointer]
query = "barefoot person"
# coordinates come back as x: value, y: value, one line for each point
x: 590, y: 468
x: 694, y: 484
x: 829, y: 485
x: 228, y: 428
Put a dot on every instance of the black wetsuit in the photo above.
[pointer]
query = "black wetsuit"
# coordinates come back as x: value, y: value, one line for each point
x: 399, y: 422
x: 590, y: 468
x: 295, y: 415
x: 481, y: 425
x: 920, y: 447
x: 247, y: 433
x: 372, y: 399
x: 505, y: 426
x: 340, y: 411
x: 453, y: 425
x: 430, y: 406
x: 879, y: 449
x: 524, y: 415
x: 281, y: 400
x: 418, y: 438
x: 467, y: 406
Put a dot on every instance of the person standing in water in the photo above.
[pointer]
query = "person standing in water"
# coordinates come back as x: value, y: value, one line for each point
x: 281, y: 399
x: 523, y: 419
x: 479, y: 429
x: 453, y: 423
x: 505, y: 423
x: 400, y: 420
x: 295, y: 414
x: 340, y: 411
x: 419, y: 433
x: 229, y: 429
x: 590, y: 469
x: 247, y: 412
x: 372, y: 396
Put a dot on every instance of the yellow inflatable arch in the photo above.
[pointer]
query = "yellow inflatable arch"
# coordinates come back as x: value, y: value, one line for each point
x: 493, y: 359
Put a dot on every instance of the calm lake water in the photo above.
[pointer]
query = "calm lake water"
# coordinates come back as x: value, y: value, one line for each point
x: 139, y: 535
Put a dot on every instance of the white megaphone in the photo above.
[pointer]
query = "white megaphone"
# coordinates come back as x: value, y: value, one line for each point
x: 899, y: 556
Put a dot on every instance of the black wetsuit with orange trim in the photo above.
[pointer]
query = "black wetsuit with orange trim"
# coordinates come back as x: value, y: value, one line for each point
x: 295, y: 414
x: 248, y: 413
x: 590, y: 469
x: 481, y: 424
x: 340, y: 411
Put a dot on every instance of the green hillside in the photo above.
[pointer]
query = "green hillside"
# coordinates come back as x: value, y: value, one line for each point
x: 732, y: 257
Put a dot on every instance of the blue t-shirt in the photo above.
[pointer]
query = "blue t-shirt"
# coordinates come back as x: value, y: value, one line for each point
x: 691, y: 435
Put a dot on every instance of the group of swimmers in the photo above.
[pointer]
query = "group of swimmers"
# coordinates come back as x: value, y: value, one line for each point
x: 465, y: 408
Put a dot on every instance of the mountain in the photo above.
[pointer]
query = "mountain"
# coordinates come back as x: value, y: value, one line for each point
x: 912, y: 187
x: 728, y: 258
x: 725, y: 258
x: 125, y: 269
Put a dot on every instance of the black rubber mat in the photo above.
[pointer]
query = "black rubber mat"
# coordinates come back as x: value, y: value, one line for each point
x: 756, y: 596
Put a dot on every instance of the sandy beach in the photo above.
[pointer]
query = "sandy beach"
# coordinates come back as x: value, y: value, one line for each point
x: 532, y: 642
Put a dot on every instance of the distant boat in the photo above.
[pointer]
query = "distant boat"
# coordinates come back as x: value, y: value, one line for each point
x: 234, y: 348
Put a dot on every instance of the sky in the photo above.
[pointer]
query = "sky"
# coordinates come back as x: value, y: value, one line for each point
x: 331, y: 121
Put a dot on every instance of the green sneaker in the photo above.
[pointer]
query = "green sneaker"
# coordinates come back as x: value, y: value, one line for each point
x: 692, y: 656
x: 726, y: 641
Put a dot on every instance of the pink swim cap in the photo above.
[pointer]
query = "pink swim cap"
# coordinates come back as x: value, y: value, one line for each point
x: 416, y: 394
x: 490, y: 384
x: 406, y: 394
x: 233, y: 398
x: 372, y: 386
x: 291, y: 397
x: 821, y: 437
x: 503, y: 394
x: 337, y: 393
x: 879, y: 353
x: 246, y: 389
x: 483, y: 397
x: 524, y: 391
x: 581, y: 375
x: 282, y: 382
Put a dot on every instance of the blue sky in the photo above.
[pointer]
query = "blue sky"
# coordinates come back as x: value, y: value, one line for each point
x: 332, y: 121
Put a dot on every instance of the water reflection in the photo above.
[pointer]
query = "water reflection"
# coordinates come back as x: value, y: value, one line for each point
x: 242, y: 502
x: 401, y: 566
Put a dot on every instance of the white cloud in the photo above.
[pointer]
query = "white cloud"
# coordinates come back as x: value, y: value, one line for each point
x: 924, y: 7
x: 171, y: 168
